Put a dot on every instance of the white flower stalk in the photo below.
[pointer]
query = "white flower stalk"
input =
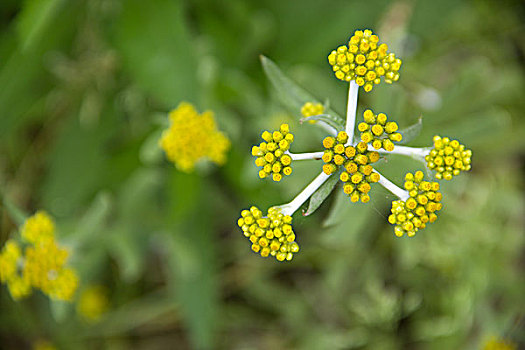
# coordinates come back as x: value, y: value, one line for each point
x: 290, y: 208
x: 392, y: 187
x: 416, y: 152
x: 351, y: 110
x: 305, y: 156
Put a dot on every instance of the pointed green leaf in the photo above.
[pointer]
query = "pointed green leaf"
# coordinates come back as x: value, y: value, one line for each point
x: 156, y: 49
x: 17, y: 214
x: 322, y: 192
x: 60, y: 309
x: 411, y: 132
x: 34, y: 18
x: 292, y: 95
x: 89, y: 228
x: 328, y: 119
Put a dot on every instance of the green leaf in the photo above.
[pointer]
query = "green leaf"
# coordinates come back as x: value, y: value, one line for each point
x: 411, y: 132
x: 89, y: 228
x: 128, y: 247
x: 324, y: 118
x: 322, y: 192
x: 17, y: 214
x: 59, y: 309
x: 152, y: 38
x: 35, y: 17
x: 150, y: 152
x: 133, y: 315
x: 191, y: 257
x: 292, y: 95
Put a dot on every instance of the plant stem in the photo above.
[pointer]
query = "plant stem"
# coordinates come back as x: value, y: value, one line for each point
x: 405, y: 151
x: 351, y: 110
x: 399, y: 192
x: 290, y: 208
x: 304, y: 156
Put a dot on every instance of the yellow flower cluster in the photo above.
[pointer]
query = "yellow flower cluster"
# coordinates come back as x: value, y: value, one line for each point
x: 448, y: 158
x: 365, y: 61
x: 192, y: 137
x: 419, y: 209
x: 41, y: 266
x: 270, y: 235
x: 38, y: 227
x: 495, y: 343
x: 271, y: 154
x: 11, y: 262
x: 358, y: 172
x: 378, y: 131
x: 93, y: 303
x: 310, y: 109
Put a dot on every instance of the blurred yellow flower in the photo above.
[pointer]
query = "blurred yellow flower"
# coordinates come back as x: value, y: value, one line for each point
x: 10, y: 261
x: 310, y: 109
x: 43, y: 344
x: 495, y: 343
x: 38, y: 226
x: 93, y: 303
x: 39, y: 264
x: 192, y: 137
x: 45, y: 268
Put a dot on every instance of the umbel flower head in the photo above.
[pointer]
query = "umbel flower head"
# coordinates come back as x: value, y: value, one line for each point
x: 271, y: 234
x: 271, y: 153
x: 365, y: 61
x: 448, y: 158
x: 379, y: 132
x: 40, y: 264
x: 311, y: 109
x: 358, y: 172
x: 419, y: 209
x: 192, y: 137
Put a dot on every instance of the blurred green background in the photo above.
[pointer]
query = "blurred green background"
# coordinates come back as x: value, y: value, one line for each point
x: 85, y: 87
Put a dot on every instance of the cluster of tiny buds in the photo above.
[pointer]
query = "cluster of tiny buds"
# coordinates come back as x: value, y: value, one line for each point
x: 271, y: 153
x: 270, y: 235
x: 448, y: 158
x: 310, y: 109
x: 193, y: 137
x: 419, y: 209
x: 358, y: 173
x: 378, y: 131
x: 39, y: 262
x: 365, y: 61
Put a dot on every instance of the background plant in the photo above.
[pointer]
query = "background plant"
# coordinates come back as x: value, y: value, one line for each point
x: 86, y: 87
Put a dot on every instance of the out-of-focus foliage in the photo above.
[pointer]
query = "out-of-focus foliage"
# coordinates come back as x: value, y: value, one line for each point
x: 85, y: 87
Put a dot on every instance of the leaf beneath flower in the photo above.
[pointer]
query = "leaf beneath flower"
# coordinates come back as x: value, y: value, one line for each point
x: 322, y: 192
x: 411, y: 132
x: 293, y: 96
